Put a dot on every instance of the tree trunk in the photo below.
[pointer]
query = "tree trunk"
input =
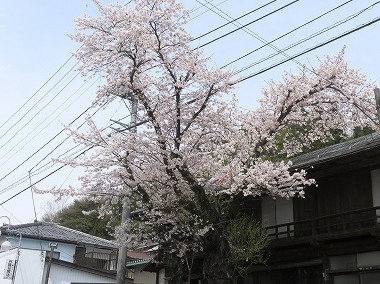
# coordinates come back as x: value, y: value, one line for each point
x: 176, y: 270
x: 216, y: 269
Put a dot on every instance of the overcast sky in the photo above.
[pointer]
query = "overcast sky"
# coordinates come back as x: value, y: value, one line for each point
x: 34, y: 46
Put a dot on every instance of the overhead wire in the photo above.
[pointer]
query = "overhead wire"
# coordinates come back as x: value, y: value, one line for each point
x: 51, y: 164
x: 250, y: 23
x: 233, y: 20
x: 48, y: 142
x: 373, y: 21
x: 244, y: 27
x: 20, y: 119
x: 293, y: 58
x: 43, y: 85
x: 34, y: 116
x: 255, y: 35
x: 59, y: 168
x: 287, y: 33
x: 38, y: 181
x: 324, y: 30
x: 36, y: 134
x: 10, y: 213
x: 200, y: 14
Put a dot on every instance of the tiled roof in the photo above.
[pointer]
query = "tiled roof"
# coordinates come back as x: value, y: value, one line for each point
x: 336, y: 151
x: 55, y: 232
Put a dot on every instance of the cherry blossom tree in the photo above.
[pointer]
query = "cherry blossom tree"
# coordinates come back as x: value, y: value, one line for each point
x: 191, y: 165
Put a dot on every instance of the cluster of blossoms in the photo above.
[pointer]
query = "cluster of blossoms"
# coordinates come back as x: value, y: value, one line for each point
x: 194, y: 144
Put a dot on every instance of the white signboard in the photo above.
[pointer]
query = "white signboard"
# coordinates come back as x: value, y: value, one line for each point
x: 9, y: 269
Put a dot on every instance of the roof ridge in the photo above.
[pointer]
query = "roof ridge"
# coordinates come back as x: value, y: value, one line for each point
x: 60, y: 233
x: 82, y: 233
x: 341, y: 149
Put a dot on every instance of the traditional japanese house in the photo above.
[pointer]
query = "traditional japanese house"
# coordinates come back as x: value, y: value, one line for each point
x: 331, y: 235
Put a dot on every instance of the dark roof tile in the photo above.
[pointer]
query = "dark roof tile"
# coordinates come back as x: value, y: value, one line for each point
x: 336, y: 151
x: 55, y: 232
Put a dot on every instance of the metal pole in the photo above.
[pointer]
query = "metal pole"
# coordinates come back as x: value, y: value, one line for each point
x: 17, y: 259
x: 126, y: 211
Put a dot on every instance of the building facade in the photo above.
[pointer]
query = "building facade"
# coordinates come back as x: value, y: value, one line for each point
x: 43, y: 252
x: 332, y: 235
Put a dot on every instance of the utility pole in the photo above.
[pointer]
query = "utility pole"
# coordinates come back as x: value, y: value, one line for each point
x: 52, y: 247
x: 126, y: 211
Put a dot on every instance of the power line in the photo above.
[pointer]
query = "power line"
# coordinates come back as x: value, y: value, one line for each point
x: 286, y: 34
x: 234, y: 20
x: 82, y: 150
x: 11, y: 214
x: 46, y: 166
x: 37, y: 134
x: 51, y: 139
x: 375, y: 20
x: 195, y: 9
x: 255, y: 36
x: 33, y: 184
x: 43, y: 85
x: 243, y: 26
x: 281, y: 51
x: 34, y: 107
x: 62, y: 166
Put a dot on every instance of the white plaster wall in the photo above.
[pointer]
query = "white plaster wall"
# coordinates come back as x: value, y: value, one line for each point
x: 276, y: 211
x: 284, y: 210
x: 162, y: 279
x: 66, y: 250
x: 268, y: 211
x: 144, y: 277
x: 29, y: 267
x: 60, y: 274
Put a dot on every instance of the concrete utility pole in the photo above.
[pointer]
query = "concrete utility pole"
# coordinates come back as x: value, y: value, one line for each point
x: 52, y: 247
x: 126, y: 212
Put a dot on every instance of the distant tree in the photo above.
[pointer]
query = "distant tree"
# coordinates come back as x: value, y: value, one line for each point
x: 53, y: 207
x: 361, y: 131
x: 82, y: 215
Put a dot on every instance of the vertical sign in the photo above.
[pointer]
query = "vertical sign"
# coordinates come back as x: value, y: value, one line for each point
x: 9, y: 269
